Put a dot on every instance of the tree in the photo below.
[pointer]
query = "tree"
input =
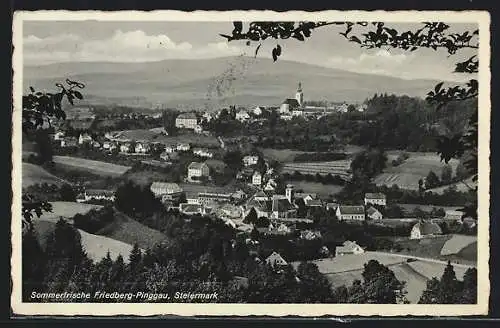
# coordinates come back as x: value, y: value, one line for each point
x: 380, y: 285
x: 67, y: 193
x: 39, y: 109
x: 461, y: 172
x: 168, y: 117
x: 314, y: 287
x: 432, y: 180
x: 43, y: 146
x: 446, y: 174
x: 135, y: 257
x: 469, y: 293
x: 251, y: 217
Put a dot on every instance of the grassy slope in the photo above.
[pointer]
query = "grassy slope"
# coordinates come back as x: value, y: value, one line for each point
x: 67, y: 210
x: 128, y: 230
x: 96, y: 167
x: 33, y: 174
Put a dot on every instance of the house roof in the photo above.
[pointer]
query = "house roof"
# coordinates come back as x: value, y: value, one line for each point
x: 377, y: 195
x: 260, y: 193
x: 257, y: 173
x: 166, y: 187
x: 196, y: 166
x: 292, y: 102
x: 275, y: 257
x: 305, y: 194
x: 348, y: 246
x: 187, y: 116
x: 99, y: 192
x: 314, y: 202
x: 192, y: 208
x: 428, y: 228
x: 352, y: 209
x: 372, y: 210
x: 281, y: 205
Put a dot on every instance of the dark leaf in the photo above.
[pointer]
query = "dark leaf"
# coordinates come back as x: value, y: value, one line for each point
x: 78, y: 94
x: 32, y: 89
x: 278, y: 50
x: 275, y: 56
x: 438, y: 87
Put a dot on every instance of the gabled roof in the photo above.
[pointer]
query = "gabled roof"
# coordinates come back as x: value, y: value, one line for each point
x: 314, y: 202
x: 281, y: 205
x: 292, y: 102
x: 348, y: 246
x: 372, y: 210
x: 275, y: 257
x: 187, y: 116
x: 352, y: 209
x: 428, y: 228
x: 377, y: 195
x: 260, y: 194
x: 196, y: 166
x: 166, y: 187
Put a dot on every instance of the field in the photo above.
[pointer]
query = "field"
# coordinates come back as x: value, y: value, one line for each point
x: 316, y: 187
x: 343, y: 270
x: 281, y: 155
x: 148, y: 135
x: 426, y: 247
x: 416, y: 167
x: 95, y: 167
x: 460, y: 186
x: 408, y: 208
x: 456, y: 243
x: 66, y: 210
x: 127, y: 230
x: 33, y: 174
x: 340, y: 167
x: 95, y: 246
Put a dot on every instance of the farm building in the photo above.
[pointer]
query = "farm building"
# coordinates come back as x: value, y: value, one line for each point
x: 186, y: 121
x: 275, y: 259
x: 424, y: 229
x: 97, y: 194
x: 350, y: 213
x: 349, y: 247
x: 373, y: 213
x: 375, y: 199
x: 197, y: 170
x: 160, y: 189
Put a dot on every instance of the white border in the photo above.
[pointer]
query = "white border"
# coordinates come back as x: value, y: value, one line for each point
x: 481, y: 18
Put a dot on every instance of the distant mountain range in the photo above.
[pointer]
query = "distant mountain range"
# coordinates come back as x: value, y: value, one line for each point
x: 209, y: 83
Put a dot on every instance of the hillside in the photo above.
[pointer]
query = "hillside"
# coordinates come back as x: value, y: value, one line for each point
x: 34, y: 174
x: 241, y: 80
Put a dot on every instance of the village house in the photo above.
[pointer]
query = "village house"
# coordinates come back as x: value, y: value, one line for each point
x: 84, y: 138
x: 286, y: 117
x: 207, y: 116
x: 59, y: 135
x: 192, y: 209
x: 375, y: 199
x: 314, y: 203
x: 373, y: 213
x: 97, y: 194
x: 348, y: 248
x: 96, y: 144
x: 350, y: 213
x: 306, y: 197
x: 125, y: 148
x: 141, y: 148
x: 332, y: 206
x: 165, y: 156
x: 250, y: 160
x: 453, y: 215
x: 183, y: 147
x: 186, y: 121
x: 238, y: 194
x: 160, y: 189
x: 270, y: 186
x: 288, y: 105
x: 424, y: 229
x: 342, y: 108
x: 276, y: 260
x: 170, y: 148
x: 212, y: 197
x: 197, y: 170
x: 198, y: 129
x: 282, y: 208
x: 310, y: 235
x: 257, y: 178
x: 242, y: 116
x: 261, y: 203
x: 203, y: 152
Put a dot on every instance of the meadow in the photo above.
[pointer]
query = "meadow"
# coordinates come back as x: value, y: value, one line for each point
x: 34, y: 174
x: 340, y: 167
x: 92, y: 166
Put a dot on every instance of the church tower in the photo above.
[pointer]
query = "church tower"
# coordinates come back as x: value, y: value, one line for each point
x: 299, y: 95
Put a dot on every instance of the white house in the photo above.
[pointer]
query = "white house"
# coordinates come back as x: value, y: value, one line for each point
x: 84, y: 138
x: 186, y: 121
x: 69, y: 142
x: 257, y: 178
x: 125, y: 148
x: 271, y: 185
x: 250, y: 160
x: 424, y: 229
x: 59, y: 135
x: 454, y: 215
x: 373, y: 213
x: 183, y: 147
x: 208, y: 116
x: 197, y: 170
x: 349, y: 247
x: 350, y: 213
x: 275, y: 259
x: 375, y: 199
x: 242, y: 116
x: 170, y: 148
x: 289, y: 105
x: 198, y: 129
x: 98, y: 194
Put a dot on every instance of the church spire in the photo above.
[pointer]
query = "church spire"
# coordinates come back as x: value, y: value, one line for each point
x: 300, y: 87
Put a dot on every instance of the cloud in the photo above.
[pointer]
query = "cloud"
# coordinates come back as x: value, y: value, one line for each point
x: 379, y: 62
x: 122, y: 46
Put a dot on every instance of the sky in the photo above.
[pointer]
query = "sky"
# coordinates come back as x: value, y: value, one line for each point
x: 46, y: 42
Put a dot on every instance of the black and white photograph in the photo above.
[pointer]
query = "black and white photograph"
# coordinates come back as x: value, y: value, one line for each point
x: 251, y: 163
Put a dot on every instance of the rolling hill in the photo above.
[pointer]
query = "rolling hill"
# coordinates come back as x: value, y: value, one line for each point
x: 240, y: 80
